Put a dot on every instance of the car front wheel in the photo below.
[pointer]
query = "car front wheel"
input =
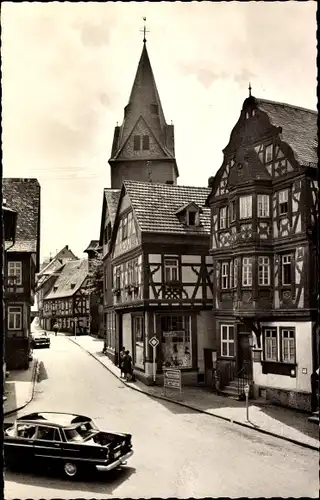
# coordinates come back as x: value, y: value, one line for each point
x: 70, y: 469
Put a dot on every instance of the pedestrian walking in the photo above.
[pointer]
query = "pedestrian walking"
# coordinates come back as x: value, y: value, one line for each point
x: 127, y: 366
x: 55, y: 329
x: 121, y: 359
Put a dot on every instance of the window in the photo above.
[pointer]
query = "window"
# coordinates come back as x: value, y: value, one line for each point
x: 117, y: 281
x: 263, y: 205
x: 191, y: 218
x: 235, y: 273
x: 136, y: 142
x: 15, y: 318
x: 125, y: 227
x: 286, y: 270
x: 269, y: 153
x: 176, y: 341
x: 245, y: 207
x: 271, y: 344
x: 171, y: 269
x: 232, y: 211
x: 283, y: 202
x: 145, y: 142
x: 223, y: 218
x: 154, y: 109
x: 225, y: 275
x: 139, y: 340
x: 264, y: 271
x: 287, y: 345
x: 48, y: 433
x: 26, y: 431
x: 15, y: 270
x: 247, y: 271
x: 227, y: 340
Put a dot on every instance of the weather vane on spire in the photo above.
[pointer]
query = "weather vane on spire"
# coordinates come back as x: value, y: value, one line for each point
x: 144, y: 31
x: 250, y: 89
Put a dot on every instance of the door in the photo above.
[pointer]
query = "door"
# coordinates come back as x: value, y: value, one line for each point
x: 21, y: 451
x: 244, y: 355
x: 47, y: 444
x: 208, y: 367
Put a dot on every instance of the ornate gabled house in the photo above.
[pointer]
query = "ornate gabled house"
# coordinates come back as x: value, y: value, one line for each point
x: 160, y: 278
x: 47, y: 276
x: 22, y: 263
x: 263, y: 210
x: 67, y: 303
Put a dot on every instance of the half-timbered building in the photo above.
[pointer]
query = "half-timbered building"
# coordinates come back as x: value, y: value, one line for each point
x: 22, y: 262
x: 263, y: 210
x: 95, y: 288
x: 161, y: 278
x: 67, y: 303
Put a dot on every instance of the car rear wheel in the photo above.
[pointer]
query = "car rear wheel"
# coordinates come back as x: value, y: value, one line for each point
x: 70, y: 469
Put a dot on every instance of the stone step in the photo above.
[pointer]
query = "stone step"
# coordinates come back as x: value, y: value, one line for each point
x: 314, y: 419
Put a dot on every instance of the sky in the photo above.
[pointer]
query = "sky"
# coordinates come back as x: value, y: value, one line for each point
x: 67, y: 73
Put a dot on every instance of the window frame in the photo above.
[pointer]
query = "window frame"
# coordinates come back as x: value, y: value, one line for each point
x: 223, y: 217
x: 15, y: 314
x: 244, y: 212
x: 227, y: 341
x: 124, y: 232
x: 262, y: 264
x: 285, y: 202
x: 136, y: 142
x: 263, y: 209
x: 145, y: 142
x: 195, y: 215
x: 232, y: 211
x: 272, y: 330
x: 282, y: 330
x: 289, y: 266
x: 15, y: 266
x: 266, y: 149
x: 225, y: 275
x: 246, y: 267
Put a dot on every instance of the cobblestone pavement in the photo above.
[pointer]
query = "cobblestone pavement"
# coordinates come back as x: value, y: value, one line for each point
x: 284, y: 422
x: 178, y: 453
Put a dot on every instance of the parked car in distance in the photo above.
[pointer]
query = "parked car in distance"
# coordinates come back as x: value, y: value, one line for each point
x: 40, y: 339
x: 71, y: 442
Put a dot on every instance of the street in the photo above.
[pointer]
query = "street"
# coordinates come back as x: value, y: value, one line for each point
x: 178, y: 453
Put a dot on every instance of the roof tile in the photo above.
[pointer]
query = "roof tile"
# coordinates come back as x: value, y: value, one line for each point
x: 74, y: 272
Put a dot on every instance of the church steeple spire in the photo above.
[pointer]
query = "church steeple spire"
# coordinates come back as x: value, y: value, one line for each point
x: 144, y: 30
x: 144, y: 133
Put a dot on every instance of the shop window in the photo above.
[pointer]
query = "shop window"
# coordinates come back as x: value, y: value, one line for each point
x: 227, y: 340
x: 15, y: 271
x: 176, y: 341
x: 247, y: 271
x: 15, y: 318
x: 138, y: 332
x: 245, y: 207
x: 171, y: 269
x: 264, y: 271
x: 263, y: 208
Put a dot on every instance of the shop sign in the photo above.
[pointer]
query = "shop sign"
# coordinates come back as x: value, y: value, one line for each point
x: 171, y: 333
x: 172, y: 378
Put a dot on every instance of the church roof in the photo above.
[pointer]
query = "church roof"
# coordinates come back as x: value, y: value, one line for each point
x: 144, y: 101
x: 156, y: 205
x: 299, y: 128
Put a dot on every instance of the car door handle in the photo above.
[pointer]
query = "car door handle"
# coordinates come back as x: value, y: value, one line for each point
x: 30, y: 441
x: 57, y: 445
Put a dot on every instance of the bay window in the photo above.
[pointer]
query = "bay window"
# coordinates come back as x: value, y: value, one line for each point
x: 247, y: 271
x: 227, y: 340
x: 245, y: 207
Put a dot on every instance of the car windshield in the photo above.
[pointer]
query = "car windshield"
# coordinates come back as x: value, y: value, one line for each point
x: 80, y: 433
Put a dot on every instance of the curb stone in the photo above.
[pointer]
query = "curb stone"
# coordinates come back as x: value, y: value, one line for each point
x: 198, y: 410
x: 35, y: 374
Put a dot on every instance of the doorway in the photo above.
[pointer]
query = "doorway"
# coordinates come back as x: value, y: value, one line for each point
x: 244, y: 355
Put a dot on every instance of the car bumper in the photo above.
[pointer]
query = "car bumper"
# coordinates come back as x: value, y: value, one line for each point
x: 106, y: 468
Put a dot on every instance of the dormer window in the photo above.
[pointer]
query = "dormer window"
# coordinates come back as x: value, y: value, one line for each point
x: 55, y: 288
x: 191, y: 218
x: 72, y: 286
x: 189, y: 214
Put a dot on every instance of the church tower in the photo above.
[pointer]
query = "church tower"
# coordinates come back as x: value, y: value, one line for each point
x: 143, y: 146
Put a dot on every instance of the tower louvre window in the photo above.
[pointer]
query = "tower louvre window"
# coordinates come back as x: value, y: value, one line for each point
x: 154, y: 109
x: 145, y: 142
x: 136, y: 143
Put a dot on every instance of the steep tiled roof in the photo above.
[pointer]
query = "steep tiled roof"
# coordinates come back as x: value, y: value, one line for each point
x: 73, y: 273
x: 299, y: 128
x: 23, y: 196
x: 93, y: 246
x: 155, y: 206
x: 112, y: 199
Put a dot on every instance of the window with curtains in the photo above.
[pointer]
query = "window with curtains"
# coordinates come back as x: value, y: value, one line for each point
x: 271, y: 344
x: 263, y: 205
x: 245, y: 207
x: 279, y: 344
x: 288, y: 346
x: 246, y: 271
x: 227, y: 340
x: 264, y: 271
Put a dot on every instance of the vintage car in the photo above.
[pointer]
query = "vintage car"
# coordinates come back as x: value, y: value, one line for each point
x: 41, y: 339
x: 71, y: 442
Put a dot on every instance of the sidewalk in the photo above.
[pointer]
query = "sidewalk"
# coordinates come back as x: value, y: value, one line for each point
x: 19, y: 388
x: 284, y: 423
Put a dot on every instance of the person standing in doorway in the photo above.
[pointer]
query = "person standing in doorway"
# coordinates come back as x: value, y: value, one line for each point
x: 121, y: 360
x: 127, y: 366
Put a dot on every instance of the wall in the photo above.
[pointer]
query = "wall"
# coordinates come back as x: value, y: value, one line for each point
x: 159, y: 171
x: 205, y: 336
